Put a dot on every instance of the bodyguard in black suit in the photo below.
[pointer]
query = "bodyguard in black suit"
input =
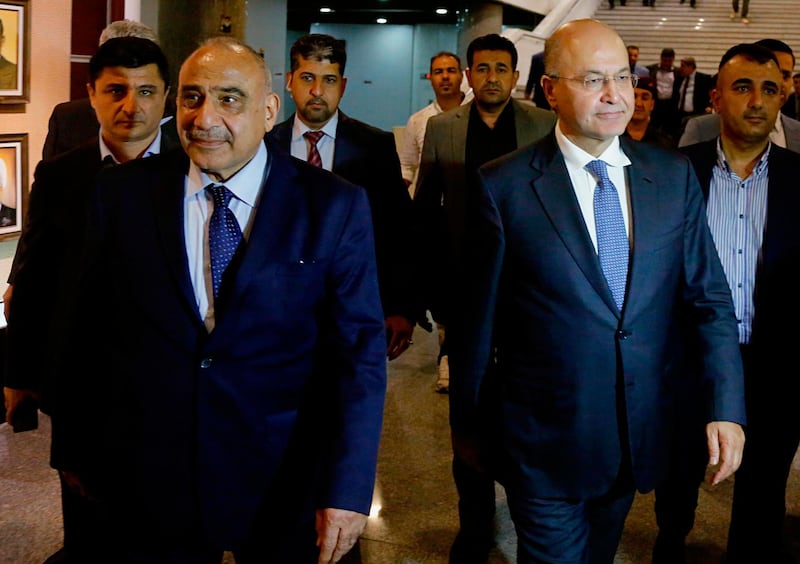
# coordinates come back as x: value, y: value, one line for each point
x: 367, y: 157
x: 762, y: 262
x: 128, y: 89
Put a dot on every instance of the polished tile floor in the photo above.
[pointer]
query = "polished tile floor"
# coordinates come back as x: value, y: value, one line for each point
x: 413, y: 519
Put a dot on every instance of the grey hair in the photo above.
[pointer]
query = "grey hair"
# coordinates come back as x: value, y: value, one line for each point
x: 127, y: 28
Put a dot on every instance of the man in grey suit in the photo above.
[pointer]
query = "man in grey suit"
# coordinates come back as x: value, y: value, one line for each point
x: 786, y: 132
x: 456, y: 143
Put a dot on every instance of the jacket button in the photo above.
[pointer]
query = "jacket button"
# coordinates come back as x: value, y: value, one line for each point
x: 622, y: 334
x: 205, y: 363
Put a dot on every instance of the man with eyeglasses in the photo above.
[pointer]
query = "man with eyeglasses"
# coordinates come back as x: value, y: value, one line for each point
x: 591, y: 266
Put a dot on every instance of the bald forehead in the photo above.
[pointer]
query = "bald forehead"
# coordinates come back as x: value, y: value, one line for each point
x: 584, y: 37
x: 226, y: 59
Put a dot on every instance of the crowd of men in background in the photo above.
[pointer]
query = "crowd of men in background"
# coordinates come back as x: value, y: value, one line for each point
x: 232, y: 288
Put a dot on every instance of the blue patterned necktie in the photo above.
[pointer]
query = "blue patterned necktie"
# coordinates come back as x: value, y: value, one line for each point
x: 612, y: 240
x: 224, y: 233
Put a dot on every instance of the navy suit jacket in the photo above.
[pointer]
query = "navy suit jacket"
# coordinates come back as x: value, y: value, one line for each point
x: 279, y: 407
x: 773, y: 341
x: 569, y: 365
x: 367, y: 157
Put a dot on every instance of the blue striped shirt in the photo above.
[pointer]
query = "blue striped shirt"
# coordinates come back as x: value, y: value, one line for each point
x: 737, y: 211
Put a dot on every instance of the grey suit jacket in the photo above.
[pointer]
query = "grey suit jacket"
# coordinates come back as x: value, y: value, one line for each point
x: 705, y: 128
x: 441, y: 194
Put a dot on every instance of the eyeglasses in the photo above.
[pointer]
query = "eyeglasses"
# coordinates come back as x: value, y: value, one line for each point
x: 595, y: 83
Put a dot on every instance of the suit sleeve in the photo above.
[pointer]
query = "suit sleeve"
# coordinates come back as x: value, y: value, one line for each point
x: 35, y: 277
x: 708, y: 298
x: 470, y: 338
x: 395, y: 228
x: 359, y: 366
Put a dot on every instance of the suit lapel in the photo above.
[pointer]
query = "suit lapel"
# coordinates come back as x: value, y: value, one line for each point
x: 553, y: 187
x: 168, y: 191
x: 272, y: 222
x: 648, y: 204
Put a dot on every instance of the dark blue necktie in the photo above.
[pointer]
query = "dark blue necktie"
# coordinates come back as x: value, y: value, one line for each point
x: 612, y: 240
x: 224, y: 233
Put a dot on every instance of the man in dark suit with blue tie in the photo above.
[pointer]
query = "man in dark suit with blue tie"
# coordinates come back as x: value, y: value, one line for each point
x: 242, y: 406
x: 580, y: 321
x: 127, y: 89
x: 364, y: 155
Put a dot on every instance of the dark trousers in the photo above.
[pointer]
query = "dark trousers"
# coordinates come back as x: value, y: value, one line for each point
x: 476, y: 509
x: 759, y: 493
x: 745, y: 7
x: 84, y: 534
x: 569, y: 531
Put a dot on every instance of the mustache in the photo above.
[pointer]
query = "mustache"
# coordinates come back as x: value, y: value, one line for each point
x: 755, y: 114
x: 317, y: 101
x: 214, y: 134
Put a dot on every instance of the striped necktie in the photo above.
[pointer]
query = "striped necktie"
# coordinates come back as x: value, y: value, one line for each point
x: 313, y: 138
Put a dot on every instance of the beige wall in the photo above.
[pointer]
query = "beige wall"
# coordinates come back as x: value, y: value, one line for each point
x: 50, y: 43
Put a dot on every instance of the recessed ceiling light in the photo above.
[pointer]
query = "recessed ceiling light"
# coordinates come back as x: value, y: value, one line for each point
x: 441, y: 11
x: 381, y: 20
x: 326, y: 10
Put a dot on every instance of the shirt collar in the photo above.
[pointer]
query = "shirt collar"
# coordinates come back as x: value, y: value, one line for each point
x: 299, y: 128
x: 577, y: 157
x: 153, y: 149
x: 761, y: 165
x: 245, y: 184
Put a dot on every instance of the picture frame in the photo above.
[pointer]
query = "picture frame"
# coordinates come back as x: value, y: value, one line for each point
x: 13, y: 183
x: 15, y: 47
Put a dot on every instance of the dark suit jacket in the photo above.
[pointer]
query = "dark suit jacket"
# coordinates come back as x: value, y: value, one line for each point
x: 442, y: 195
x: 367, y: 157
x: 564, y: 355
x: 773, y: 341
x: 701, y: 99
x: 789, y: 107
x: 46, y: 261
x: 279, y: 408
x: 533, y: 88
x: 73, y: 123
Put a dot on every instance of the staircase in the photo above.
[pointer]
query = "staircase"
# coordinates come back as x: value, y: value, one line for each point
x: 704, y: 32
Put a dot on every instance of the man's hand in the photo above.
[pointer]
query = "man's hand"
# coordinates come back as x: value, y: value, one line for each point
x: 15, y: 397
x: 725, y: 446
x: 337, y: 532
x: 7, y: 300
x: 468, y: 449
x: 399, y: 331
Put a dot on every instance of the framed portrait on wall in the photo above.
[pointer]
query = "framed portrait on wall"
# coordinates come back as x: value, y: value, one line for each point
x: 14, y: 51
x: 13, y: 183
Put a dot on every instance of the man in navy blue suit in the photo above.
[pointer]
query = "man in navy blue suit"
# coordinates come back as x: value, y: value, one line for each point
x: 364, y: 155
x: 243, y: 415
x: 585, y: 375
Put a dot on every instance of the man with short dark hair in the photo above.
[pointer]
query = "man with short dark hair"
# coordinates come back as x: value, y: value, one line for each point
x: 786, y: 131
x: 633, y: 61
x: 456, y: 144
x: 665, y: 75
x: 364, y: 155
x: 128, y: 87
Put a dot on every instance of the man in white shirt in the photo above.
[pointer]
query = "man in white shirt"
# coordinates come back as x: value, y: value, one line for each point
x: 446, y: 77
